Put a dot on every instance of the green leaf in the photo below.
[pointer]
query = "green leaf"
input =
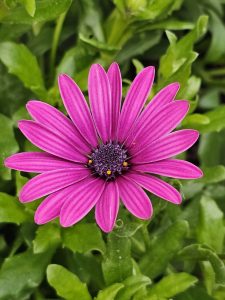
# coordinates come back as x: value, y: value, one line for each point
x: 132, y: 285
x: 30, y: 6
x: 144, y: 40
x: 88, y: 268
x: 190, y: 90
x: 138, y: 65
x: 168, y: 24
x: 175, y: 65
x: 199, y: 252
x: 20, y: 182
x: 208, y: 276
x: 216, y: 121
x: 110, y: 292
x: 159, y: 9
x: 165, y: 247
x: 47, y: 237
x: 208, y: 157
x: 217, y: 28
x: 211, y: 221
x: 15, y: 94
x: 210, y: 98
x: 21, y: 274
x: 97, y: 44
x: 127, y: 228
x: 178, y: 52
x: 194, y: 119
x: 83, y: 238
x: 213, y: 174
x: 91, y: 19
x: 11, y: 210
x: 15, y: 57
x: 67, y: 285
x: 8, y: 144
x: 195, y: 293
x: 171, y: 285
x: 74, y: 60
x: 45, y: 10
x: 117, y: 264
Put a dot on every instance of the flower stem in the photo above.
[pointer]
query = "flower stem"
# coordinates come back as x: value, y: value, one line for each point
x: 118, y: 31
x: 217, y: 72
x: 55, y: 42
x: 145, y: 235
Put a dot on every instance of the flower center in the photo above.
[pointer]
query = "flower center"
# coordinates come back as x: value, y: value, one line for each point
x: 108, y: 160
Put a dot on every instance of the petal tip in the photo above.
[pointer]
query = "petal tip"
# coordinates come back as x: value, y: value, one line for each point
x: 21, y: 124
x: 64, y: 222
x: 106, y: 229
x: 150, y: 70
x: 22, y: 198
x: 199, y: 173
x: 115, y: 64
x: 196, y: 134
x: 38, y: 219
x: 175, y: 86
x: 63, y: 78
x: 7, y: 162
x: 96, y: 68
x: 178, y: 199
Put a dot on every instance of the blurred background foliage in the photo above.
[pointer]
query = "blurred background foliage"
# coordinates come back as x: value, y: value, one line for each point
x: 179, y: 254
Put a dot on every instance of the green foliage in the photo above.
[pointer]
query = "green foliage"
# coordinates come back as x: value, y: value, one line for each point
x: 110, y: 292
x: 132, y: 285
x: 21, y: 274
x: 203, y: 253
x: 210, y: 221
x: 117, y: 264
x: 171, y: 285
x: 47, y: 237
x: 11, y: 210
x: 8, y: 144
x: 15, y: 57
x: 83, y: 238
x: 179, y: 253
x: 66, y: 284
x: 33, y: 11
x: 164, y: 249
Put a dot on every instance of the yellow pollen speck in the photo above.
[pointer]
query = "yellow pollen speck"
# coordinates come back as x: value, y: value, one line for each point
x: 125, y: 163
x: 108, y: 172
x: 90, y: 161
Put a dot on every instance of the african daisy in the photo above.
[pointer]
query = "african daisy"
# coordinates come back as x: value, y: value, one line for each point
x: 106, y: 152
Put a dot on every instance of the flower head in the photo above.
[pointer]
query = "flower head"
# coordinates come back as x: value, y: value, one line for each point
x: 106, y: 152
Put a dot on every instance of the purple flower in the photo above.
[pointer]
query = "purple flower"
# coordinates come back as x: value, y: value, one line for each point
x: 104, y: 153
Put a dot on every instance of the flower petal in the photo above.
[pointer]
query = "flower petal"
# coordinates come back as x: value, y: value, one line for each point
x: 48, y: 115
x: 167, y: 146
x: 50, y: 207
x: 134, y: 198
x: 77, y: 108
x: 50, y: 142
x: 107, y: 207
x: 81, y: 201
x: 100, y: 101
x: 157, y: 186
x: 50, y: 182
x: 37, y: 162
x: 171, y: 168
x: 162, y: 98
x: 115, y: 81
x: 134, y: 101
x: 162, y: 123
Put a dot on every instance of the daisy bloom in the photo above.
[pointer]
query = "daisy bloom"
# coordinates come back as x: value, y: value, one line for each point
x: 106, y: 152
